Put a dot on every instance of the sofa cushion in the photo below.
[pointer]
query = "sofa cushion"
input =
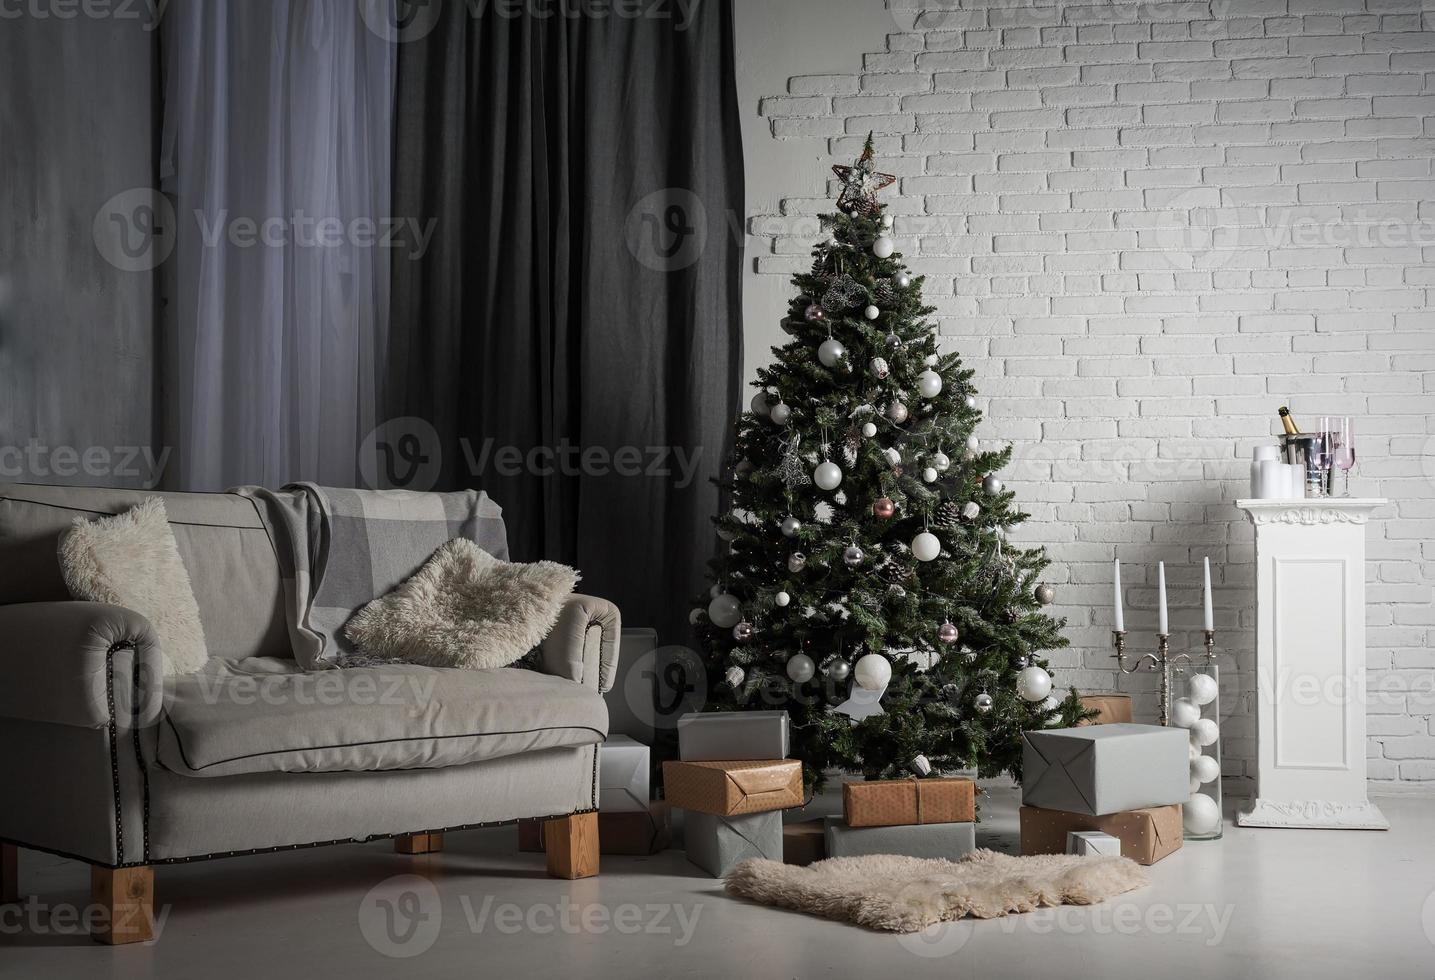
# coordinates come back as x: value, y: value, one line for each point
x: 267, y: 715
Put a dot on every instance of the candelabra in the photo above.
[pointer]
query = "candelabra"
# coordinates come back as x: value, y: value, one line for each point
x: 1199, y: 713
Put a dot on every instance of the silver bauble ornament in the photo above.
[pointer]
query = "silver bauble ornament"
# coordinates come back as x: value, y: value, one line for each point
x: 814, y: 314
x: 983, y: 703
x: 827, y: 476
x: 725, y: 611
x: 869, y: 429
x: 991, y: 485
x: 902, y: 280
x: 1033, y: 684
x: 879, y: 368
x: 760, y: 404
x: 800, y: 668
x: 853, y: 555
x: 782, y: 599
x: 695, y: 617
x: 780, y: 414
x: 929, y: 384
x: 897, y: 413
x: 839, y: 670
x: 970, y: 401
x: 715, y: 591
x: 948, y: 634
x: 973, y: 443
x: 871, y: 313
x: 1045, y: 594
x: 831, y: 352
x: 942, y: 462
x: 735, y: 676
x: 742, y: 469
x: 926, y: 547
x: 796, y: 562
x: 742, y: 632
x: 790, y: 526
x: 893, y: 340
x: 883, y: 247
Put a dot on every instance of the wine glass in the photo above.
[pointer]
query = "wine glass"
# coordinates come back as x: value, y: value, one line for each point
x: 1340, y: 433
x: 1322, y: 447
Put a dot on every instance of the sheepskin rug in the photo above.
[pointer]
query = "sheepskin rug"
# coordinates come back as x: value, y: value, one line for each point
x: 464, y: 608
x: 906, y: 894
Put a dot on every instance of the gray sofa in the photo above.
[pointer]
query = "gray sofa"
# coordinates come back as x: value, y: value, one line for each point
x: 110, y: 763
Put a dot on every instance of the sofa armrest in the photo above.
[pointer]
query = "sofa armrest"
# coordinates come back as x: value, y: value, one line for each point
x: 81, y: 664
x: 583, y: 645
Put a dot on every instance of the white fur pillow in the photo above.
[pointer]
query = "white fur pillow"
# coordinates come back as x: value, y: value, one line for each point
x: 464, y: 608
x: 131, y: 560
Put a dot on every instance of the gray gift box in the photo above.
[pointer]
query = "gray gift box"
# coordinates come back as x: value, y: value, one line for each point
x: 716, y: 844
x: 927, y: 840
x: 1102, y: 769
x: 732, y: 736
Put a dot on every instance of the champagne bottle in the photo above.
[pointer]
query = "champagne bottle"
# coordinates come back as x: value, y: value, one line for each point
x: 1288, y: 422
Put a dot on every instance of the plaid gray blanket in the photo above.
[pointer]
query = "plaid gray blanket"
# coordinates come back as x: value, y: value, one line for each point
x: 340, y: 549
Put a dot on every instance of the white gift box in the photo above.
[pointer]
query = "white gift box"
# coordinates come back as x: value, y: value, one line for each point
x: 623, y: 774
x: 733, y: 736
x: 1088, y: 842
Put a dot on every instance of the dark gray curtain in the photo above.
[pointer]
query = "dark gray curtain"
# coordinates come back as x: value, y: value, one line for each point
x: 573, y: 333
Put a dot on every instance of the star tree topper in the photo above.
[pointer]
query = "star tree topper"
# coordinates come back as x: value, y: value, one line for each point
x: 860, y: 185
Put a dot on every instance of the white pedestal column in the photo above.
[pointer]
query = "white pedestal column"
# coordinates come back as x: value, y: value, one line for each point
x: 1310, y: 664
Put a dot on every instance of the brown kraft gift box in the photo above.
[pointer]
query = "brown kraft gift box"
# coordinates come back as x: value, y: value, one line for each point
x: 899, y: 802
x: 804, y: 843
x: 1146, y: 836
x: 731, y: 789
x: 622, y: 832
x: 1112, y: 709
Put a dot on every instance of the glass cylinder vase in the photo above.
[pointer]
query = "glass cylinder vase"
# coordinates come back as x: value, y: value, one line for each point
x: 1196, y: 706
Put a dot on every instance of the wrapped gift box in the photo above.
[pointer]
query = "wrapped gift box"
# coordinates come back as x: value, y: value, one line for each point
x: 930, y: 840
x: 1112, y: 709
x: 727, y: 789
x: 719, y: 736
x: 717, y: 843
x: 1103, y: 769
x: 623, y: 832
x: 1092, y: 842
x: 803, y: 843
x: 894, y: 802
x: 623, y: 775
x: 1146, y: 835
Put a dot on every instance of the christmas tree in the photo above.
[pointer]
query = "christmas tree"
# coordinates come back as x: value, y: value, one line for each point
x: 867, y: 587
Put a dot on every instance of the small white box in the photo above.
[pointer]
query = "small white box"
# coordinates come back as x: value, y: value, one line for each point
x: 623, y: 775
x: 1088, y: 842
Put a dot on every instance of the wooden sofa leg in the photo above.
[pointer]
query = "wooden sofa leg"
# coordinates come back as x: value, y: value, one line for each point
x: 125, y: 897
x: 418, y: 843
x: 572, y: 846
x: 9, y: 874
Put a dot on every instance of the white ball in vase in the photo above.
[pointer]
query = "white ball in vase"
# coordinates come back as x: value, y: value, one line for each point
x: 1205, y: 769
x: 1205, y: 732
x: 1202, y: 688
x: 1200, y: 815
x: 1184, y: 713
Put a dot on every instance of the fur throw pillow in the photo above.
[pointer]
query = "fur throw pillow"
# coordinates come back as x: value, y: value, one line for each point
x: 132, y: 560
x: 464, y: 608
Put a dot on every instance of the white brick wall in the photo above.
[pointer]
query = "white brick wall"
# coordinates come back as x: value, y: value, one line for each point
x: 1147, y: 226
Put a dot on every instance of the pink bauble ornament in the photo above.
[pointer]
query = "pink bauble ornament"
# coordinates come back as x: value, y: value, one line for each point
x: 884, y: 508
x: 814, y: 314
x: 948, y: 634
x: 742, y: 632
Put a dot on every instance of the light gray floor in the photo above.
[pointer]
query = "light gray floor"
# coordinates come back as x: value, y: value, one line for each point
x: 1260, y: 903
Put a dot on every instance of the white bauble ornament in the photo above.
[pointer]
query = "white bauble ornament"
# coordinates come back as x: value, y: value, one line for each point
x: 1200, y: 815
x: 929, y: 384
x: 902, y: 280
x: 879, y: 368
x: 886, y: 221
x: 871, y: 313
x: 782, y: 599
x: 883, y: 247
x: 827, y: 476
x: 1047, y: 707
x: 1184, y: 713
x: 725, y: 611
x: 973, y: 443
x: 892, y: 456
x: 983, y: 703
x: 760, y: 404
x: 1205, y: 732
x: 869, y: 429
x: 1205, y: 769
x: 942, y: 462
x: 831, y: 352
x: 873, y: 672
x: 801, y: 668
x: 1202, y: 688
x: 970, y: 510
x: 931, y: 360
x: 796, y: 562
x: 790, y: 526
x: 897, y: 413
x: 695, y: 617
x: 1033, y: 684
x: 735, y: 676
x: 970, y: 401
x: 929, y: 475
x: 780, y: 414
x: 926, y: 547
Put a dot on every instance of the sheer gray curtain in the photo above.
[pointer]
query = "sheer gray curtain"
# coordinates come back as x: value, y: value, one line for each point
x: 276, y: 153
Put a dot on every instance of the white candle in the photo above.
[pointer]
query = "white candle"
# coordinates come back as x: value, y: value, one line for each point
x: 1210, y: 617
x: 1163, y: 627
x: 1120, y: 613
